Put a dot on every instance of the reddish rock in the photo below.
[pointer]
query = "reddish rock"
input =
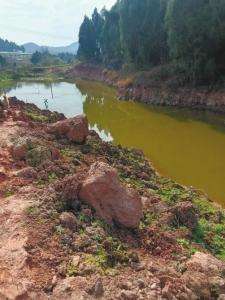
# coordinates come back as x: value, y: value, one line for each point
x: 3, y: 176
x: 198, y: 283
x: 205, y: 263
x: 19, y: 151
x: 27, y: 173
x: 111, y: 200
x: 68, y: 220
x: 68, y: 189
x: 55, y: 153
x: 74, y: 129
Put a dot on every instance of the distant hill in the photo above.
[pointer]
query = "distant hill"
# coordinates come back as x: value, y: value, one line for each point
x: 32, y: 47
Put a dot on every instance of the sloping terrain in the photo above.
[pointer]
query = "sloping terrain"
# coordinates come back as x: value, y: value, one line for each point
x: 85, y: 219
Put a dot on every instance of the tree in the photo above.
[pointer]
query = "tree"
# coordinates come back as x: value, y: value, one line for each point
x: 2, y: 61
x: 8, y: 46
x: 36, y: 58
x: 98, y: 22
x: 112, y: 54
x: 189, y: 34
x: 143, y: 32
x: 196, y: 37
x: 88, y: 48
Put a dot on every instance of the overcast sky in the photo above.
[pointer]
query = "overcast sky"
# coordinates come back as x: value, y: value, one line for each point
x: 46, y: 22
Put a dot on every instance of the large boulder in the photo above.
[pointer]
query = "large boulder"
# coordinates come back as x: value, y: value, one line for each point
x: 111, y: 200
x: 74, y: 129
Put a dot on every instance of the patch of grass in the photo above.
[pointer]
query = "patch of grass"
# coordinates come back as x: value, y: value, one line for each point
x: 172, y: 194
x: 52, y: 177
x: 72, y: 270
x: 34, y: 116
x: 99, y: 260
x: 8, y: 193
x: 204, y: 206
x: 186, y: 244
x: 147, y: 220
x: 211, y: 236
x: 135, y: 183
x: 32, y: 210
x: 83, y: 218
x: 59, y: 230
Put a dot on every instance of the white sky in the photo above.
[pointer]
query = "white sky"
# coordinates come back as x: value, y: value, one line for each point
x: 45, y: 22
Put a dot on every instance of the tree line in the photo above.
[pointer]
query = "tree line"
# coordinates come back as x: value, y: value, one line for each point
x: 7, y: 46
x: 47, y: 59
x: 187, y: 35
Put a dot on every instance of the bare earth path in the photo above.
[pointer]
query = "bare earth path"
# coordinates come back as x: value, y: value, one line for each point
x: 13, y: 256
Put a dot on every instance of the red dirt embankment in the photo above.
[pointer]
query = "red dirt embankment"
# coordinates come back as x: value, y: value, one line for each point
x: 84, y: 219
x: 145, y: 87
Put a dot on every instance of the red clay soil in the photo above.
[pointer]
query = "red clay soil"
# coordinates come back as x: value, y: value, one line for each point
x: 145, y: 88
x: 55, y: 246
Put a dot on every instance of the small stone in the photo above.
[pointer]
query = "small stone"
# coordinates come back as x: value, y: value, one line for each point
x: 27, y: 173
x: 125, y: 285
x: 137, y: 266
x: 140, y: 283
x: 54, y: 281
x: 153, y: 286
x: 134, y: 257
x: 86, y: 270
x: 166, y: 292
x: 68, y: 220
x: 76, y: 260
x: 98, y: 288
x: 128, y: 295
x: 19, y: 151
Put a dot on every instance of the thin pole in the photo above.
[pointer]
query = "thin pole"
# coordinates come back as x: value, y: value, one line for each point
x: 51, y: 91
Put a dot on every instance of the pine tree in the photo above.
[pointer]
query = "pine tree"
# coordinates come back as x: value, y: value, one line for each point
x: 88, y: 48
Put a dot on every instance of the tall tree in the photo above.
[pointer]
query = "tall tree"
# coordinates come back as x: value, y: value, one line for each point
x: 88, y: 48
x: 143, y: 32
x: 196, y: 37
x: 111, y: 42
x: 98, y: 23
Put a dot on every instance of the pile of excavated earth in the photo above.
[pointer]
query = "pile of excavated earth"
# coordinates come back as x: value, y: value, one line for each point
x: 85, y: 219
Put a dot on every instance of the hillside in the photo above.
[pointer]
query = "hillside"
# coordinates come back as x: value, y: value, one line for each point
x: 32, y: 47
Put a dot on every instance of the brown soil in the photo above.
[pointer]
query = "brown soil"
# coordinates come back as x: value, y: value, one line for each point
x: 146, y: 87
x: 41, y: 259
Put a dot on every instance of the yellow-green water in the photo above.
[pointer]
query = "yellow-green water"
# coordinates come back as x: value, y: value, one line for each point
x: 185, y: 145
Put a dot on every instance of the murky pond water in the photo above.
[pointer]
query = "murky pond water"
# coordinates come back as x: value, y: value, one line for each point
x: 184, y: 145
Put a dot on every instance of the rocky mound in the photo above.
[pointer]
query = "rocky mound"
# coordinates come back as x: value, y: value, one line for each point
x: 84, y: 219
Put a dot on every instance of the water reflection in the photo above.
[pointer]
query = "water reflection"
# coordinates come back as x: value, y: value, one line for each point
x: 185, y: 145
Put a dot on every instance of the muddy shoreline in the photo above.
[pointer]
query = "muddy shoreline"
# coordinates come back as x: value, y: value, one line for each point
x: 155, y: 94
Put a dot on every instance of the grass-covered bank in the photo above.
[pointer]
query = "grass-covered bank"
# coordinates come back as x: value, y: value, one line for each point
x: 8, y: 76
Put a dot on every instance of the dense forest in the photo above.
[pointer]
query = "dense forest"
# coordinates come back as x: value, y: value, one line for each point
x: 188, y: 36
x: 8, y: 46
